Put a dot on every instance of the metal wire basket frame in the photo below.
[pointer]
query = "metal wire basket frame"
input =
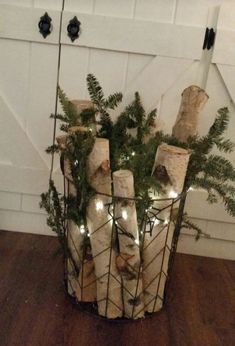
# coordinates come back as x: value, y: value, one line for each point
x: 149, y: 219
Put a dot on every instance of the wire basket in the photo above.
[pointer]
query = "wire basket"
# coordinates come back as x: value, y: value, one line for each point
x: 107, y: 281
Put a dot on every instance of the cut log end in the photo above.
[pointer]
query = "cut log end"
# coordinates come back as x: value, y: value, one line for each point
x: 195, y: 89
x: 82, y: 104
x: 123, y: 182
x: 173, y: 149
x: 122, y: 174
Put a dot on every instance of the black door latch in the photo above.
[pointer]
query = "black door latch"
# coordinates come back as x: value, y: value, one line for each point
x: 44, y: 25
x: 209, y: 39
x: 73, y: 28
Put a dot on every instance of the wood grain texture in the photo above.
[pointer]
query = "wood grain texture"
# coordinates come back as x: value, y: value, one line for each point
x: 200, y: 309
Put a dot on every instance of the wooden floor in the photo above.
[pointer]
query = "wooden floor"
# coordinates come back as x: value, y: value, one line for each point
x: 35, y: 312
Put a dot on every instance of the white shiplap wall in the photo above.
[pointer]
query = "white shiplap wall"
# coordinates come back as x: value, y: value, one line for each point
x: 118, y: 66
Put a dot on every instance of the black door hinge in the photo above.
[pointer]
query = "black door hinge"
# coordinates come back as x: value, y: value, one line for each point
x: 209, y: 39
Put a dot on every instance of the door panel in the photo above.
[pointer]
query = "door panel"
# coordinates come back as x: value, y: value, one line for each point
x: 28, y: 68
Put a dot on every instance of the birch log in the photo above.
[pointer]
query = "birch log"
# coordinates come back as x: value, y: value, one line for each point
x: 101, y: 232
x: 193, y: 100
x: 80, y: 268
x: 81, y: 105
x: 83, y: 284
x: 128, y: 261
x: 170, y: 169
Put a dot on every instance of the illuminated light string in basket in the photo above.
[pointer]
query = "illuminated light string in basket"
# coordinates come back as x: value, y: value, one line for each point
x: 82, y: 229
x: 99, y: 205
x: 124, y: 214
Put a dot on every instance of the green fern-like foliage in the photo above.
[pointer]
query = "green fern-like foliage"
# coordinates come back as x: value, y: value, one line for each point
x: 102, y: 105
x: 79, y: 146
x: 70, y: 113
x: 52, y: 202
x: 211, y: 172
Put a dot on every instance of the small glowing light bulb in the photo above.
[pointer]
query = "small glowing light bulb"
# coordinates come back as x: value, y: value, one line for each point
x: 90, y: 129
x: 116, y: 223
x: 133, y: 153
x: 88, y: 234
x: 156, y: 222
x: 76, y: 162
x: 137, y: 241
x: 82, y: 229
x: 99, y: 205
x: 166, y: 222
x: 191, y: 188
x: 173, y: 194
x: 124, y: 215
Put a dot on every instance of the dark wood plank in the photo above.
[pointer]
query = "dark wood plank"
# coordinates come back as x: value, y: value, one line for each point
x: 200, y: 308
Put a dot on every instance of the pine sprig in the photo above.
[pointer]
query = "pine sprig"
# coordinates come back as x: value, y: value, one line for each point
x: 54, y: 148
x: 219, y: 167
x: 70, y: 111
x: 102, y: 105
x: 113, y: 101
x: 52, y: 202
x: 95, y: 90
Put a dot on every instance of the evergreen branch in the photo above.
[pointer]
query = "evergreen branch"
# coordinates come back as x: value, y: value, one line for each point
x: 95, y: 90
x: 59, y: 117
x: 68, y: 108
x: 113, y: 100
x: 149, y: 122
x: 224, y: 145
x: 106, y: 124
x: 220, y: 168
x: 52, y: 149
x: 220, y: 124
x: 52, y: 203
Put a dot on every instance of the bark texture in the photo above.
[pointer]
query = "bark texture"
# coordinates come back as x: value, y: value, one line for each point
x: 128, y: 261
x: 80, y: 268
x: 101, y: 230
x: 193, y: 100
x: 170, y: 169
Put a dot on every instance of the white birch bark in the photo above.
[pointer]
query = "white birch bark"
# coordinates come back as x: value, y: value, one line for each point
x: 193, y: 100
x: 170, y: 169
x: 128, y: 261
x: 83, y: 285
x: 101, y: 232
x: 81, y: 105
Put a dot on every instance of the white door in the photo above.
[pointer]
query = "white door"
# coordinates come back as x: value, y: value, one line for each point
x: 28, y: 70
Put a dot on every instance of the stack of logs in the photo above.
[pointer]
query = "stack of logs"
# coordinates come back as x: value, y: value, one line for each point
x: 121, y: 281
